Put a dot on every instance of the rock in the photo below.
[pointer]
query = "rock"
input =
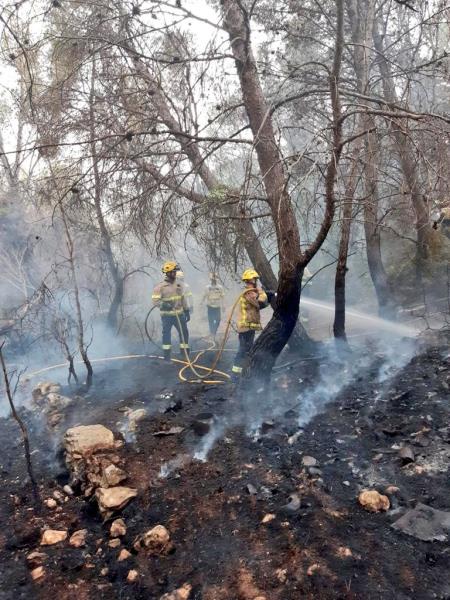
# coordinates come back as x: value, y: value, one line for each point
x: 268, y: 518
x: 104, y: 571
x: 425, y: 523
x: 391, y: 490
x: 373, y: 501
x: 78, y: 539
x: 251, y: 489
x: 53, y: 536
x: 58, y: 496
x: 281, y: 575
x: 118, y: 528
x: 35, y: 559
x: 309, y: 461
x: 132, y: 576
x: 123, y: 555
x: 112, y: 476
x: 50, y: 503
x: 113, y: 499
x: 134, y: 416
x: 115, y: 543
x: 312, y: 569
x: 314, y: 472
x: 37, y: 573
x: 406, y: 454
x: 171, y: 431
x: 88, y: 438
x: 182, y: 593
x: 156, y: 540
x: 293, y: 504
x: 344, y: 552
x: 68, y: 490
x: 266, y: 426
x: 43, y: 389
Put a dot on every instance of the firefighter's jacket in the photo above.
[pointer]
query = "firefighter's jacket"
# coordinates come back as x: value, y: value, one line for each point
x: 214, y: 296
x: 170, y: 298
x: 249, y: 306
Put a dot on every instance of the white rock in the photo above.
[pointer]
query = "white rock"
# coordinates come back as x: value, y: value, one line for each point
x: 118, y: 528
x: 87, y: 438
x: 78, y: 538
x: 157, y: 540
x: 132, y: 576
x: 113, y: 499
x: 181, y: 593
x: 112, y: 476
x: 53, y: 536
x: 50, y: 503
x: 37, y: 573
x: 123, y: 555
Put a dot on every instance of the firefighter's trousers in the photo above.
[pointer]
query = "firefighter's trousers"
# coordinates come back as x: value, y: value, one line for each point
x: 213, y: 319
x: 169, y: 321
x: 245, y: 345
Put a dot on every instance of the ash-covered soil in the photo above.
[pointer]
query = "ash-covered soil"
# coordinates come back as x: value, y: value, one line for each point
x: 252, y: 521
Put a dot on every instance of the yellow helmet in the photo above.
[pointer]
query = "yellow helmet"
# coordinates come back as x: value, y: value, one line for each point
x: 180, y: 275
x: 249, y: 274
x: 169, y: 266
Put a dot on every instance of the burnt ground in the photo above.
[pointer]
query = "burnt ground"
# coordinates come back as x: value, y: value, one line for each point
x: 326, y: 547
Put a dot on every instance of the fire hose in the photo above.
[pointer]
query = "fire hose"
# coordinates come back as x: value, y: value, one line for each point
x: 192, y: 364
x: 188, y: 363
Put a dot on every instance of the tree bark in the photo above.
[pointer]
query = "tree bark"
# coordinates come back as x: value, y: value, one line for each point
x: 341, y: 267
x: 105, y: 236
x: 361, y: 16
x: 406, y: 154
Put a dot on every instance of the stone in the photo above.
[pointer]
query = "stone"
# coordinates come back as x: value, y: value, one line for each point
x: 88, y: 438
x: 118, y: 528
x: 406, y: 454
x: 373, y: 501
x: 112, y: 476
x: 132, y: 576
x: 391, y: 490
x: 113, y: 499
x: 68, y: 490
x: 268, y: 518
x: 312, y: 569
x: 50, y: 503
x: 78, y: 538
x: 134, y: 416
x: 53, y: 536
x: 104, y: 571
x: 37, y: 573
x: 123, y: 555
x: 156, y: 540
x: 425, y: 523
x: 309, y: 461
x: 35, y: 559
x: 44, y: 388
x: 115, y: 543
x: 182, y: 593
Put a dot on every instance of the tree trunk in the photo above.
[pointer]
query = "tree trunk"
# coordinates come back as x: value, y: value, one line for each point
x: 117, y: 278
x: 341, y: 267
x: 277, y: 333
x: 361, y: 17
x: 406, y: 154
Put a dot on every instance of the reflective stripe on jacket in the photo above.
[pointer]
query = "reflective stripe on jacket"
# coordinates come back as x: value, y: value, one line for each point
x: 170, y: 298
x: 249, y: 307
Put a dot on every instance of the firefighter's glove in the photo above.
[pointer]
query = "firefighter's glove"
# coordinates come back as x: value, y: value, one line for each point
x: 187, y: 316
x: 166, y: 305
x: 271, y: 295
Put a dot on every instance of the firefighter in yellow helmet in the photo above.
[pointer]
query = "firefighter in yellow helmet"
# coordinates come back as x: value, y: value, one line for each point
x: 169, y: 297
x: 249, y: 318
x: 186, y: 290
x: 214, y: 300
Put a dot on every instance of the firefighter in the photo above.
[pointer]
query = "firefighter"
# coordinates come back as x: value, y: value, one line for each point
x: 170, y: 298
x: 249, y: 318
x: 187, y: 291
x: 214, y: 300
x: 443, y: 221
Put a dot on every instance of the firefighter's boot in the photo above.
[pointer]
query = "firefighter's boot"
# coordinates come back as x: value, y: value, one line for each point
x: 167, y: 354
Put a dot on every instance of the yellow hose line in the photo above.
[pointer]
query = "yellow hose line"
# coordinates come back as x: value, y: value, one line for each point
x: 191, y: 364
x: 188, y: 363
